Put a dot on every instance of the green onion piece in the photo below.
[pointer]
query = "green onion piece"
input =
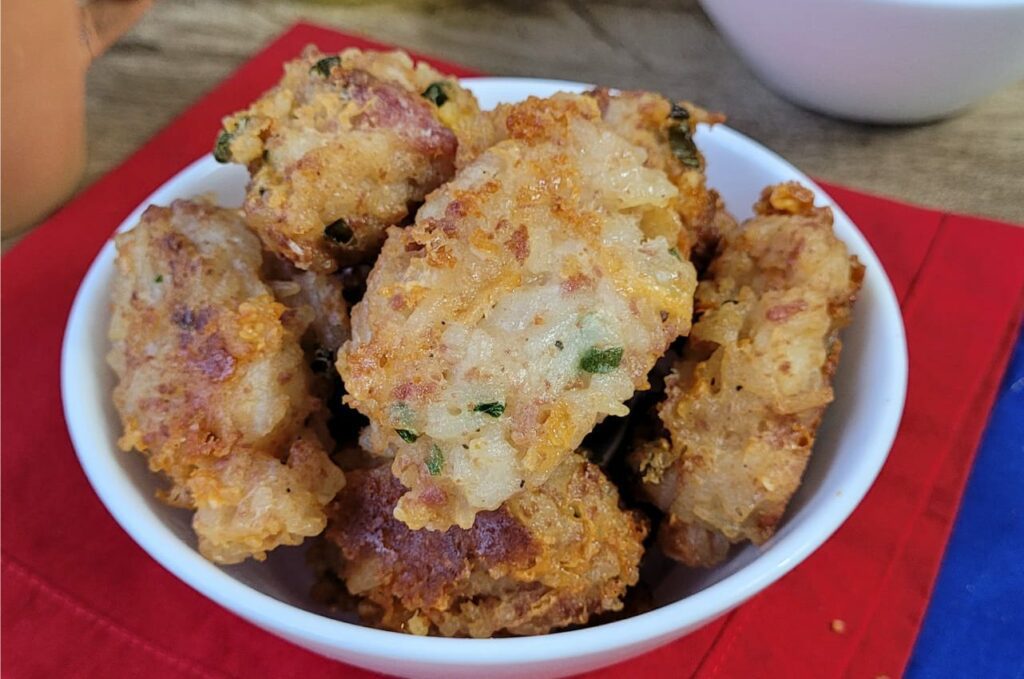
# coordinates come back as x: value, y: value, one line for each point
x: 494, y: 409
x: 222, y: 150
x: 435, y: 94
x: 339, y: 231
x: 159, y: 279
x: 402, y: 413
x: 601, y: 361
x: 408, y: 435
x: 325, y: 65
x: 435, y: 463
x: 680, y: 140
x: 675, y: 253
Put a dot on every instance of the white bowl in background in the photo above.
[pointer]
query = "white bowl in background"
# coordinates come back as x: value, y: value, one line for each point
x: 879, y: 61
x: 856, y: 436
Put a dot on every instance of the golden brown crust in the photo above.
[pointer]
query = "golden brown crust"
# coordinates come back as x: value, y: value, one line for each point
x: 212, y: 384
x: 695, y: 218
x: 665, y: 130
x: 744, y: 404
x: 340, y: 149
x: 530, y: 260
x: 790, y: 198
x: 550, y: 558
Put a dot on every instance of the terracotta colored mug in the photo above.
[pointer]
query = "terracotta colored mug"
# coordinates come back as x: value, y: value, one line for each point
x: 47, y: 47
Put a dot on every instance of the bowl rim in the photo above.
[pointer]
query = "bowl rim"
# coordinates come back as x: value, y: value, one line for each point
x: 155, y: 537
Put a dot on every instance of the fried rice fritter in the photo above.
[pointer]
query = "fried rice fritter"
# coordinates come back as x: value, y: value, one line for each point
x: 342, y: 148
x: 525, y: 305
x: 549, y: 558
x: 212, y: 384
x: 744, y: 404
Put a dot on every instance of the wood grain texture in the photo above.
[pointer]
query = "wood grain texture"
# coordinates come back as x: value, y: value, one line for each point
x: 182, y: 48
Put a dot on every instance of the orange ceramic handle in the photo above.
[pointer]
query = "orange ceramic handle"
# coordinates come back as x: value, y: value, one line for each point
x: 104, y: 21
x: 46, y: 49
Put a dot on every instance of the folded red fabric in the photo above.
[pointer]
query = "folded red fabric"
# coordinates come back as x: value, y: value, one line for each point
x: 81, y: 599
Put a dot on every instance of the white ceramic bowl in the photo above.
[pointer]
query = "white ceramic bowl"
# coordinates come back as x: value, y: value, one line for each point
x: 854, y: 441
x: 882, y: 61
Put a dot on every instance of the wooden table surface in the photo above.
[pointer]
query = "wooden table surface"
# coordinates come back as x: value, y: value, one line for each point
x: 972, y: 163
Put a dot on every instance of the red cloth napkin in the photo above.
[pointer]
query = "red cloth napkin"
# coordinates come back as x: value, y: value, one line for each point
x: 81, y: 599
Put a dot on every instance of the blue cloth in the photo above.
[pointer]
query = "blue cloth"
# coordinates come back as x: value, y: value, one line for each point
x: 974, y: 626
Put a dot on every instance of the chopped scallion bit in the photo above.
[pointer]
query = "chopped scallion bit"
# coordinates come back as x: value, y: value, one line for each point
x: 408, y: 435
x: 402, y: 413
x: 325, y: 65
x: 435, y: 94
x: 435, y: 462
x: 680, y: 140
x: 222, y: 150
x: 601, y: 361
x: 494, y: 409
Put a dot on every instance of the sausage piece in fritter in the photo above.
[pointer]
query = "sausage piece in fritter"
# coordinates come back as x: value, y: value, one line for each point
x: 551, y: 557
